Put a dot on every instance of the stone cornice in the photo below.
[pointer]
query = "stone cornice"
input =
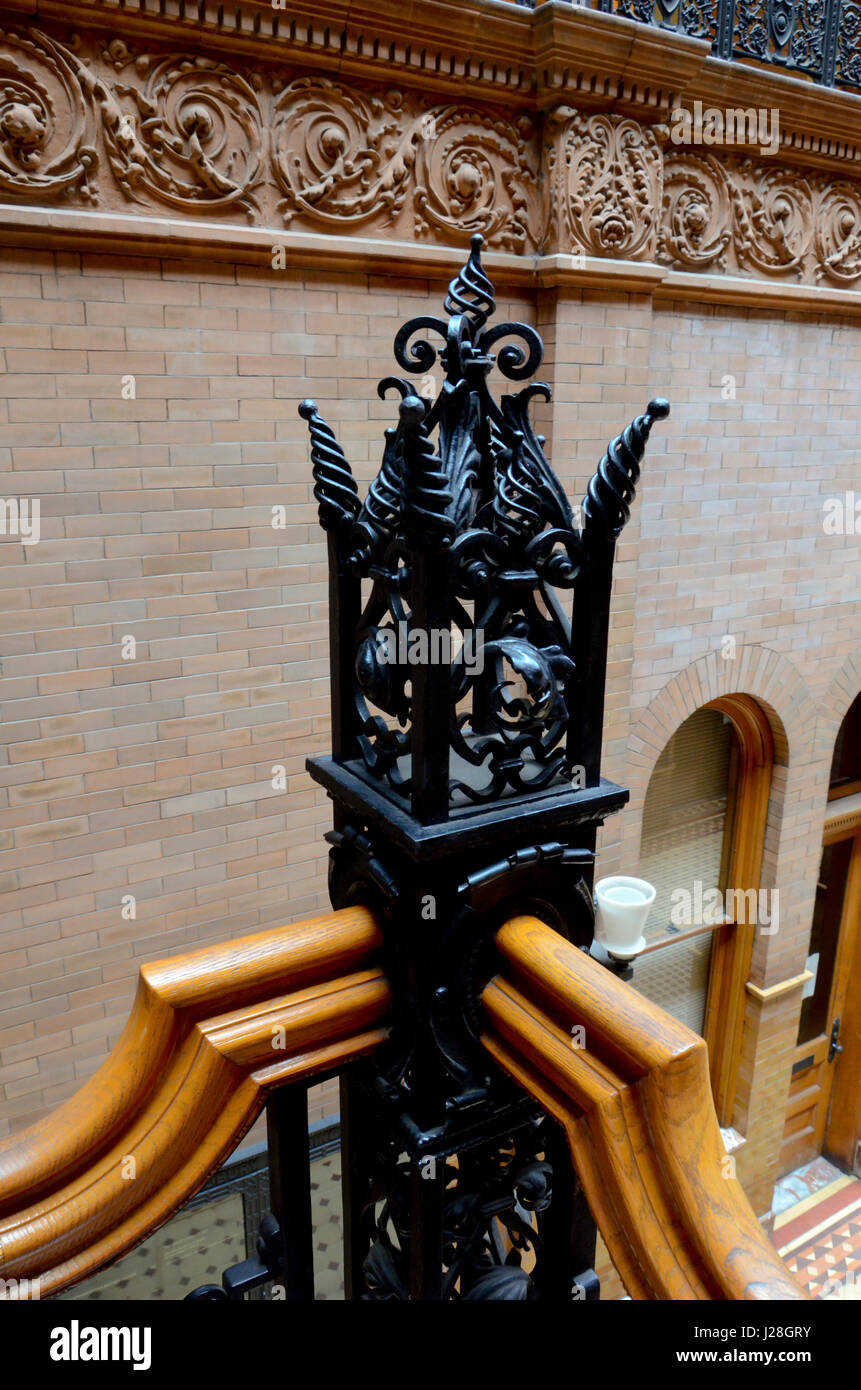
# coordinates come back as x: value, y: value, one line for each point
x: 819, y: 126
x: 600, y: 60
x: 253, y: 154
x: 476, y: 45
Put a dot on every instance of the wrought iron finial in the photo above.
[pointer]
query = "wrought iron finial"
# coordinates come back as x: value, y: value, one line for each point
x: 612, y: 489
x: 467, y: 715
x: 381, y: 509
x: 471, y: 292
x: 334, y: 485
x: 427, y: 498
x: 464, y: 539
x: 470, y: 301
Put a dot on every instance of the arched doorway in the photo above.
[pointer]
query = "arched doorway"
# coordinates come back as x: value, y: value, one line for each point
x: 702, y: 839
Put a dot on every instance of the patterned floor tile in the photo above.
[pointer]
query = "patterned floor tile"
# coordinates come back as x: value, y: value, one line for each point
x: 820, y: 1240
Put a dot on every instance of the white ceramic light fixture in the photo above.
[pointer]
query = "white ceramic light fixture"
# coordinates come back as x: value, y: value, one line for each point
x: 622, y: 907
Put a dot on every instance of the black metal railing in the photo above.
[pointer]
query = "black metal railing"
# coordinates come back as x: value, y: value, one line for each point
x: 816, y: 39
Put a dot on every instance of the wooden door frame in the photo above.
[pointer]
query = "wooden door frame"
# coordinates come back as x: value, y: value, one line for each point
x: 842, y: 1119
x: 744, y: 841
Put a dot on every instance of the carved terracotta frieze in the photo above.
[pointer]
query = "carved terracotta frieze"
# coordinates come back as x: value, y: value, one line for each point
x: 88, y: 122
x: 742, y: 216
x: 47, y: 121
x: 603, y: 174
x: 183, y: 133
x: 343, y: 158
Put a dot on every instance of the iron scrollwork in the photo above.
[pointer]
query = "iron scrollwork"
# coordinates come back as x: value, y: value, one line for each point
x: 463, y: 698
x: 466, y: 489
x: 493, y: 1200
x: 816, y: 37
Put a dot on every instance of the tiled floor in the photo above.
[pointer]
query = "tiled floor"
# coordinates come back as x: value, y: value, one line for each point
x: 193, y: 1248
x: 819, y: 1233
x: 196, y: 1246
x: 801, y: 1184
x: 328, y: 1227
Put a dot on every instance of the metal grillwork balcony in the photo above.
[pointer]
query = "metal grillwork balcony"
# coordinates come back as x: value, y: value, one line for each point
x: 816, y: 39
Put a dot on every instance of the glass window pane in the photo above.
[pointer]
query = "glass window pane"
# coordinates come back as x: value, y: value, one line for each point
x: 827, y: 912
x: 676, y: 977
x: 846, y: 764
x: 681, y: 853
x: 684, y: 817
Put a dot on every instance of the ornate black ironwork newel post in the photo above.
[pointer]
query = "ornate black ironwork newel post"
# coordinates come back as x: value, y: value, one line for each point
x: 465, y: 775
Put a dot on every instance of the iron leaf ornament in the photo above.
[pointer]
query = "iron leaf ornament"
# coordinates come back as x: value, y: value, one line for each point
x: 467, y: 521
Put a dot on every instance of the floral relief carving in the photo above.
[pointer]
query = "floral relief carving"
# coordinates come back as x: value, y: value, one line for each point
x: 340, y: 157
x: 473, y: 176
x: 837, y: 232
x: 605, y: 173
x: 773, y: 217
x: 739, y: 215
x: 696, y: 227
x: 187, y: 132
x: 47, y: 148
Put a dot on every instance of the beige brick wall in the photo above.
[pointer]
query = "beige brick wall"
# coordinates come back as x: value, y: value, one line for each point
x: 152, y: 777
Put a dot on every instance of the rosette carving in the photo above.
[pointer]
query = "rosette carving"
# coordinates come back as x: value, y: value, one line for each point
x: 837, y: 232
x: 46, y: 120
x: 339, y: 155
x: 773, y: 218
x: 473, y: 171
x: 696, y: 227
x: 606, y: 183
x: 190, y: 134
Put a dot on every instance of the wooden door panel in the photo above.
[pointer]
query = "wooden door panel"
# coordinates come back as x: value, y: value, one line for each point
x: 843, y: 1133
x: 807, y: 1106
x: 813, y: 1076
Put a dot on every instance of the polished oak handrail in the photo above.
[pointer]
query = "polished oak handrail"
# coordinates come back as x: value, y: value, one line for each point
x: 211, y: 1033
x: 634, y: 1097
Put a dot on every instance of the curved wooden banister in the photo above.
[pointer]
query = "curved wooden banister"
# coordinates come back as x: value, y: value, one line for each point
x: 212, y: 1032
x: 209, y: 1035
x: 636, y: 1104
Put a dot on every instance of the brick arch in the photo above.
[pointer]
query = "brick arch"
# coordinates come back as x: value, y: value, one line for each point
x: 834, y: 705
x: 748, y: 1039
x: 764, y: 675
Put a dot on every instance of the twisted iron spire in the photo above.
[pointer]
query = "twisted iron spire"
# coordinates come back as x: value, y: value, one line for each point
x: 427, y: 497
x: 470, y: 292
x: 334, y: 485
x: 610, y: 493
